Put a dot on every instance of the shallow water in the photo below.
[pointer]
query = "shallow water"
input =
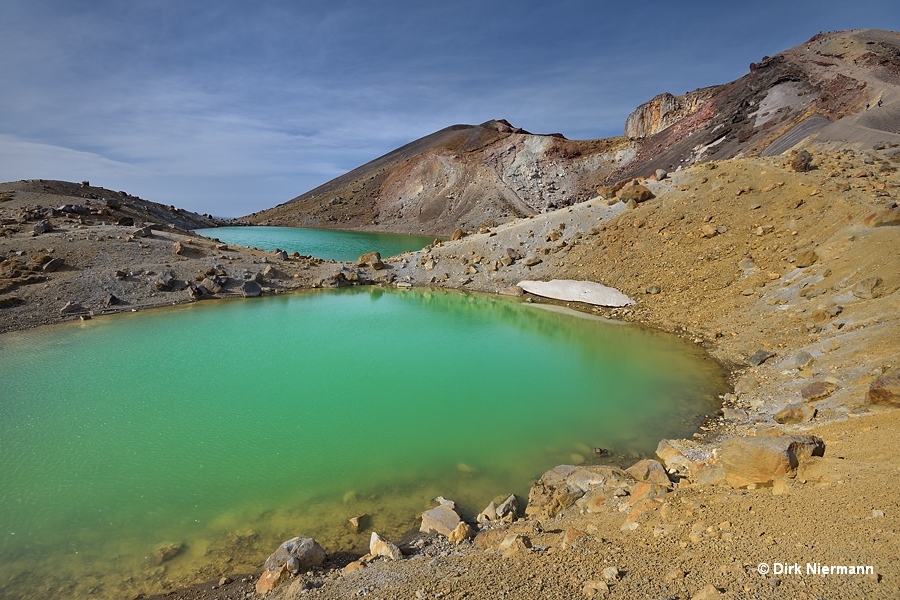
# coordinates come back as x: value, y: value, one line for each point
x: 321, y: 243
x: 234, y: 425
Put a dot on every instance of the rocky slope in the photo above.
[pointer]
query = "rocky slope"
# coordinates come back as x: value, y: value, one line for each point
x: 464, y: 176
x: 783, y: 268
x: 468, y: 177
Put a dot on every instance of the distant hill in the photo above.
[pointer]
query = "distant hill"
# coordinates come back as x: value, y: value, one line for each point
x: 469, y: 176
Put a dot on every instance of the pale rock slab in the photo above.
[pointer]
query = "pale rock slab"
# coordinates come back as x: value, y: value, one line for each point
x: 571, y: 290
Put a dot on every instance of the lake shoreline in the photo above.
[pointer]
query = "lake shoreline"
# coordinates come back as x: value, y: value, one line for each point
x: 686, y: 538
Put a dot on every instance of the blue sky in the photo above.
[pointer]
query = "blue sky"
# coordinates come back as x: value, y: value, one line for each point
x: 229, y: 107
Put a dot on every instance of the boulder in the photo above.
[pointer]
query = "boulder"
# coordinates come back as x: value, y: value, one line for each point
x: 440, y: 519
x: 305, y: 552
x: 251, y: 289
x: 678, y: 456
x: 487, y: 515
x: 649, y: 470
x: 560, y: 487
x: 661, y: 174
x: 72, y: 308
x: 281, y: 255
x: 378, y: 546
x: 885, y: 389
x: 797, y: 412
x: 638, y: 193
x: 508, y: 509
x: 762, y: 459
x: 270, y: 579
x: 462, y: 532
x: 371, y: 259
x: 817, y: 390
x: 167, y: 282
x: 179, y: 248
x: 457, y: 235
x: 43, y: 226
x: 211, y: 285
x: 883, y: 218
x: 166, y: 552
x: 53, y: 265
x: 571, y: 290
x: 801, y: 161
x: 125, y: 222
x: 143, y: 232
x: 806, y: 258
x: 514, y: 543
x: 868, y: 288
x: 759, y: 357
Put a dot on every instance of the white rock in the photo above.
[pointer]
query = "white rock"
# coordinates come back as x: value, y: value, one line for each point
x: 577, y: 291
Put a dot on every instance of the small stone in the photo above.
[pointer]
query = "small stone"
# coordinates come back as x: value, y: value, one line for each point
x: 270, y: 579
x: 356, y: 522
x: 637, y: 193
x: 225, y: 581
x: 661, y: 174
x: 653, y: 289
x: 461, y: 533
x: 806, y: 258
x: 594, y: 588
x: 877, y: 514
x: 179, y: 248
x: 43, y: 226
x: 371, y: 259
x: 457, y: 235
x: 708, y: 231
x: 167, y: 552
x: 801, y: 161
x: 611, y: 573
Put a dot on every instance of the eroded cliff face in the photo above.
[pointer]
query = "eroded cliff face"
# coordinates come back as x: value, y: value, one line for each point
x: 463, y: 177
x: 665, y: 110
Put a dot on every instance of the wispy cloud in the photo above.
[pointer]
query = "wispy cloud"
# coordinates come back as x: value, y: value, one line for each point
x: 230, y: 107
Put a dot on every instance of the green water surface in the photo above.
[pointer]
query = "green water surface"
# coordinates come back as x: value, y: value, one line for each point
x: 230, y: 426
x: 321, y: 243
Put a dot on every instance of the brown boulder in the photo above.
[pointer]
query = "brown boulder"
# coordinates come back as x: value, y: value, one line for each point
x: 801, y: 161
x: 806, y: 258
x: 371, y: 259
x: 270, y: 579
x: 817, y: 390
x: 457, y: 235
x: 649, y: 470
x: 797, y: 412
x: 638, y: 193
x: 761, y: 460
x: 886, y: 389
x: 560, y: 487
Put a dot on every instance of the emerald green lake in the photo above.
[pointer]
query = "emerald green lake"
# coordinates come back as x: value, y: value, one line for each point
x: 321, y: 243
x: 229, y: 427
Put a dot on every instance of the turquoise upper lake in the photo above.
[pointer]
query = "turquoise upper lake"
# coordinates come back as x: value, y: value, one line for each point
x: 321, y: 243
x: 229, y: 427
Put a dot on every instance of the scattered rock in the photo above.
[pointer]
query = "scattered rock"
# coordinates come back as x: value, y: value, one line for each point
x: 759, y: 357
x: 460, y: 533
x: 270, y: 579
x: 378, y: 546
x: 457, y: 235
x: 806, y: 258
x: 371, y: 259
x: 143, y: 232
x: 43, y: 226
x: 508, y: 509
x: 762, y: 459
x: 179, y: 248
x: 53, y: 265
x: 560, y: 487
x: 72, y: 308
x: 653, y: 289
x: 710, y: 592
x: 357, y: 522
x: 650, y: 471
x: 868, y: 288
x: 797, y: 412
x: 801, y: 360
x: 281, y: 255
x: 306, y: 551
x: 251, y: 289
x: 532, y: 261
x: 514, y: 543
x: 885, y: 389
x: 167, y: 552
x: 661, y: 174
x: 611, y: 573
x: 801, y: 161
x: 440, y: 519
x: 594, y: 588
x: 637, y: 193
x: 817, y: 390
x: 883, y: 218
